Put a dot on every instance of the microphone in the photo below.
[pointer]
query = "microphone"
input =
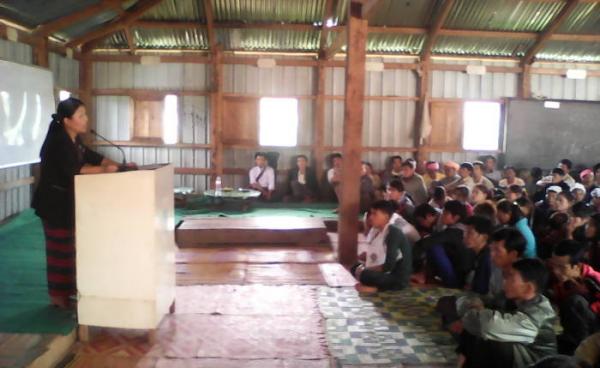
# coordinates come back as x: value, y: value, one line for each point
x: 111, y: 143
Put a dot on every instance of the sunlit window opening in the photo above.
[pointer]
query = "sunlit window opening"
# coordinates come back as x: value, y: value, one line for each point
x: 63, y: 95
x: 278, y: 122
x: 170, y: 120
x: 481, y: 129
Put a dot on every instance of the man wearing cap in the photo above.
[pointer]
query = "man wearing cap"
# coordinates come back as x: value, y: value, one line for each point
x: 464, y: 172
x: 589, y: 182
x: 579, y: 192
x: 582, y: 212
x: 450, y: 169
x: 566, y: 165
x: 413, y: 182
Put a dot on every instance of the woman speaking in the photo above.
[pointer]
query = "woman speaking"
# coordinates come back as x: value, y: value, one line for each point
x: 63, y: 156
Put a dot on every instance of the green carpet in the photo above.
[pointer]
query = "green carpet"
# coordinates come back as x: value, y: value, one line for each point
x: 24, y: 302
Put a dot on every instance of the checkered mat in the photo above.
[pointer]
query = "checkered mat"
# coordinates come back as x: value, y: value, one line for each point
x: 398, y: 327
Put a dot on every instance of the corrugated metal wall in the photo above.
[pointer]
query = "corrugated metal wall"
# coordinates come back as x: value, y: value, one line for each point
x: 66, y: 75
x: 114, y: 113
x: 559, y: 87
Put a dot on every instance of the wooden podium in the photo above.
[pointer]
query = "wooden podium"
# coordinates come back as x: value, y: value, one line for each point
x: 125, y: 246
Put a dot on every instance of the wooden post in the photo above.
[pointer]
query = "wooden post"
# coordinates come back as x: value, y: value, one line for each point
x: 525, y: 82
x: 318, y: 129
x: 353, y: 121
x: 40, y: 52
x: 86, y: 80
x: 216, y: 108
x: 423, y: 73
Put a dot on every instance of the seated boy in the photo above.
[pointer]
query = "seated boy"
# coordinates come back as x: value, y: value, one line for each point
x: 413, y: 182
x: 465, y: 173
x: 387, y: 265
x: 447, y: 256
x: 576, y: 288
x: 426, y: 217
x: 302, y: 181
x: 396, y: 193
x: 462, y: 194
x: 262, y: 176
x: 493, y: 338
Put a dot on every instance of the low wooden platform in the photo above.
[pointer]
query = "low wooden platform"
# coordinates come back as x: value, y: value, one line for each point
x: 199, y: 232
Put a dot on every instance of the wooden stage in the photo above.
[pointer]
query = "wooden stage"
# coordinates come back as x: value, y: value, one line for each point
x: 199, y: 232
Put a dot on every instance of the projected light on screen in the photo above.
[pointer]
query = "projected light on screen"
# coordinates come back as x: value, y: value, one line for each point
x: 26, y: 103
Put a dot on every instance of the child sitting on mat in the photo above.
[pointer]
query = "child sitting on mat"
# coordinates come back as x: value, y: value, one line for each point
x: 386, y: 263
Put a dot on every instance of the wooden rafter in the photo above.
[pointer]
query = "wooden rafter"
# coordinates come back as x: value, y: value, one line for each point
x: 120, y: 23
x: 369, y: 7
x: 130, y: 40
x: 327, y: 14
x: 47, y: 29
x: 210, y: 29
x: 549, y: 31
x: 434, y: 30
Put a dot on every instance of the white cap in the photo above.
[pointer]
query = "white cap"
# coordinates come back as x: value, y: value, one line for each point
x: 578, y: 186
x: 554, y: 188
x: 596, y: 193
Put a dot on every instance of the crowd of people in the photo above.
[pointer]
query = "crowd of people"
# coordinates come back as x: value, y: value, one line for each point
x: 523, y: 248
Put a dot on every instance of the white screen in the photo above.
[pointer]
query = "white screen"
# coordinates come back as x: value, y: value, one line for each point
x: 26, y: 106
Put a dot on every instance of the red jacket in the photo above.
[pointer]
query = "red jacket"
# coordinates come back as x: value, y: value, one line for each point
x: 565, y: 289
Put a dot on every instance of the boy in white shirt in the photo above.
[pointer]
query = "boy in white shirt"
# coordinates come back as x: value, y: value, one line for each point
x: 262, y: 176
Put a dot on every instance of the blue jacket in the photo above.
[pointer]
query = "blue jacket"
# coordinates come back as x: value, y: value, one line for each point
x: 530, y: 248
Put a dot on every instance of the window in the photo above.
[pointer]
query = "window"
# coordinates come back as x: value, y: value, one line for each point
x: 278, y: 122
x: 170, y: 120
x: 481, y: 129
x: 63, y: 95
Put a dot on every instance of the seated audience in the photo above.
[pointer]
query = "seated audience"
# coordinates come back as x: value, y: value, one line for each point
x: 507, y: 247
x: 527, y: 209
x: 302, y: 181
x: 592, y: 236
x: 576, y: 290
x: 334, y: 174
x: 464, y: 172
x: 462, y: 194
x: 480, y: 194
x: 477, y: 237
x: 413, y: 182
x: 450, y: 173
x: 447, y: 256
x: 595, y: 202
x: 557, y: 178
x: 396, y: 193
x: 262, y: 176
x: 514, y: 192
x: 432, y: 174
x: 387, y: 264
x: 564, y: 202
x: 535, y: 175
x: 426, y: 218
x: 509, y: 214
x: 394, y: 172
x: 486, y: 209
x: 498, y: 338
x: 510, y: 178
x: 478, y: 175
x: 588, y: 181
x: 566, y: 165
x: 490, y: 170
x: 367, y: 190
x: 376, y: 180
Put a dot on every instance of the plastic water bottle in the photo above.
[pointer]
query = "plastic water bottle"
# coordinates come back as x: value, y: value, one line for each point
x: 218, y: 186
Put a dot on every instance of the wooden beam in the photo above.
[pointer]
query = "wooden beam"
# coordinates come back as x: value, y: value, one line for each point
x: 16, y: 183
x: 86, y: 80
x: 524, y: 84
x: 327, y: 14
x: 435, y: 28
x: 152, y: 144
x: 147, y: 93
x: 549, y: 31
x: 130, y: 40
x: 216, y: 112
x: 120, y: 23
x: 210, y: 28
x: 353, y: 122
x: 47, y: 29
x: 40, y: 52
x: 319, y: 118
x: 423, y: 74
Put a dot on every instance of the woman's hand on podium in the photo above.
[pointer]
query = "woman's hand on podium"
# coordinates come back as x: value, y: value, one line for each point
x: 110, y: 168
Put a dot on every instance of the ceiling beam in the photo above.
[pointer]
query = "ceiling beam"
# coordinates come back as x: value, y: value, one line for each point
x: 327, y: 14
x: 120, y: 23
x: 210, y: 28
x: 369, y: 7
x: 564, y: 13
x: 56, y: 25
x: 130, y: 40
x: 434, y: 30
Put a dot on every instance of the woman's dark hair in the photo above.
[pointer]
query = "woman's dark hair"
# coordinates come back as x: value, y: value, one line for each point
x: 302, y: 156
x: 510, y: 208
x: 396, y: 184
x: 439, y: 193
x: 514, y: 188
x: 572, y: 248
x: 568, y: 163
x: 481, y: 224
x: 559, y: 171
x: 66, y: 109
x: 456, y: 208
x: 424, y: 209
x: 568, y: 196
x: 513, y: 240
x: 260, y: 154
x: 485, y: 209
x: 386, y: 207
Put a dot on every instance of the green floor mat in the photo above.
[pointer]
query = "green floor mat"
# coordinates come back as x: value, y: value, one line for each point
x: 388, y: 328
x: 24, y: 302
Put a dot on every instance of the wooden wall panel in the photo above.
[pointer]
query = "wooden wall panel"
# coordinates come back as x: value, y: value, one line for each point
x: 446, y: 124
x: 240, y: 121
